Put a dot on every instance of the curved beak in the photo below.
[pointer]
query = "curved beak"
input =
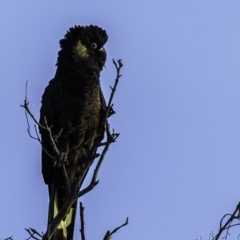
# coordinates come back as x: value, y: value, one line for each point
x: 103, y: 50
x: 104, y: 55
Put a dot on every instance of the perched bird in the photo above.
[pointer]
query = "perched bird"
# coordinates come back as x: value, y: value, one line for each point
x: 74, y: 106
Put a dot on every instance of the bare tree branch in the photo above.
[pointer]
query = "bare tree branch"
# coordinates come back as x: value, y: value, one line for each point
x: 32, y: 232
x: 116, y: 229
x: 109, y: 234
x: 9, y: 238
x: 225, y: 227
x: 82, y: 221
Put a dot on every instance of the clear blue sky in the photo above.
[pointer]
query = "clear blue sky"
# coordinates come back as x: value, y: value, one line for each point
x: 174, y: 171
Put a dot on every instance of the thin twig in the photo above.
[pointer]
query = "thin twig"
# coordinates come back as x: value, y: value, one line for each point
x: 27, y: 111
x: 210, y: 235
x: 118, y: 68
x: 116, y: 229
x: 109, y: 108
x: 109, y: 234
x: 39, y: 140
x: 33, y: 232
x: 50, y: 136
x: 25, y: 106
x: 82, y: 221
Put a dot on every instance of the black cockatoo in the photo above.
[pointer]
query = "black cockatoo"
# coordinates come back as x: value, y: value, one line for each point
x: 74, y: 106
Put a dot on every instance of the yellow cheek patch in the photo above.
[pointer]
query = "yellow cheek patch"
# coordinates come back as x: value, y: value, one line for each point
x: 81, y: 50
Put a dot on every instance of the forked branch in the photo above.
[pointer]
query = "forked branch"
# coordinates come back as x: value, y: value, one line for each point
x: 109, y: 234
x: 228, y: 224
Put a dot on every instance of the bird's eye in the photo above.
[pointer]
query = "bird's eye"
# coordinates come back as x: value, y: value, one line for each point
x: 94, y: 45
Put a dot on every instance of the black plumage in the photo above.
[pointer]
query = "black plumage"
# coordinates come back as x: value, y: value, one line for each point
x: 73, y: 104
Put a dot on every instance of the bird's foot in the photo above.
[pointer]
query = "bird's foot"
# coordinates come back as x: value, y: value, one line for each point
x: 60, y: 160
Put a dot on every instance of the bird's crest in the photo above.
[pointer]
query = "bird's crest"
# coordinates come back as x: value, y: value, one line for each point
x: 86, y: 34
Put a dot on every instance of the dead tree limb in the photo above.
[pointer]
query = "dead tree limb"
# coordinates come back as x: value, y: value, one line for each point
x: 82, y: 230
x: 109, y: 234
x: 228, y: 224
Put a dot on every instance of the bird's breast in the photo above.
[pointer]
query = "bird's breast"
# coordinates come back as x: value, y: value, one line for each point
x: 81, y: 108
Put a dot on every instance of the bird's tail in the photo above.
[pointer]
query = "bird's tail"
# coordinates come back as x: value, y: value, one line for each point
x: 65, y: 229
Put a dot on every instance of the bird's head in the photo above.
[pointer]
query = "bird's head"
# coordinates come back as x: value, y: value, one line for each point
x: 85, y: 44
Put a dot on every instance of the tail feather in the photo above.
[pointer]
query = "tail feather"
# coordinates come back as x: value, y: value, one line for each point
x: 65, y: 229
